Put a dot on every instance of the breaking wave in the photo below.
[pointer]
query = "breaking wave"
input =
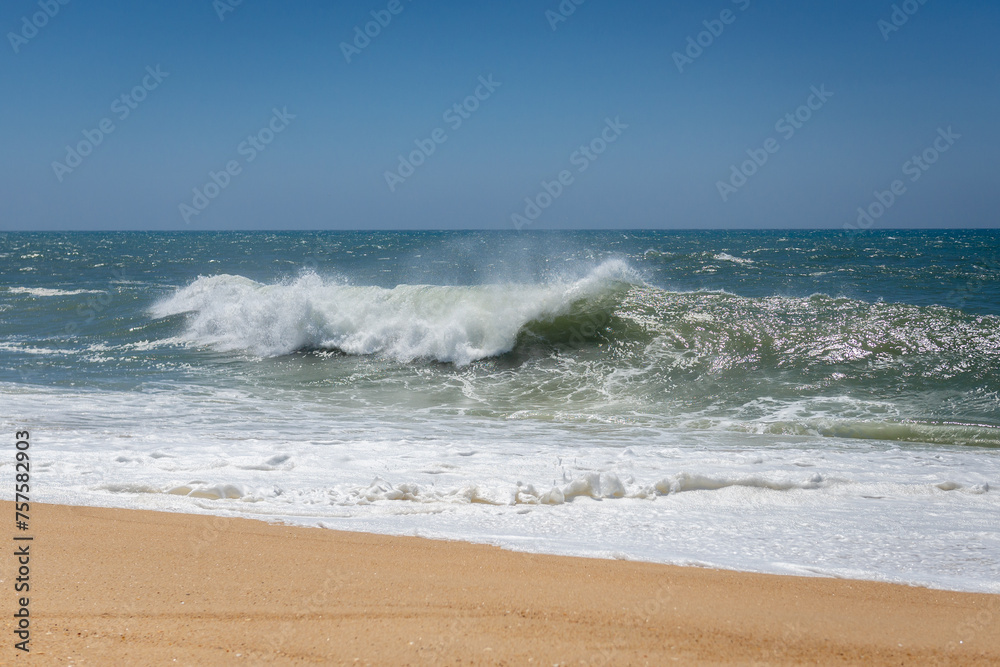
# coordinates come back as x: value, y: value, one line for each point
x: 776, y: 365
x: 447, y: 324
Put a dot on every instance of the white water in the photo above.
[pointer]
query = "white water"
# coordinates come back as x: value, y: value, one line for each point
x: 846, y: 508
x: 45, y: 291
x: 447, y: 324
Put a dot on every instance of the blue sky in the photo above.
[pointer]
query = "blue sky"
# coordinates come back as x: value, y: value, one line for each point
x: 669, y: 131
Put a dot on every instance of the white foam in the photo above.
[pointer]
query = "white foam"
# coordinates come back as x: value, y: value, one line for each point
x: 726, y: 257
x: 209, y: 491
x: 447, y: 324
x: 29, y: 349
x: 771, y: 503
x: 45, y: 291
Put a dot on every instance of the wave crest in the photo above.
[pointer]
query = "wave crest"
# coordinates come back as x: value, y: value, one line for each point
x: 447, y: 324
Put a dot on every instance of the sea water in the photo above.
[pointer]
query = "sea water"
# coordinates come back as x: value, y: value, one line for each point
x: 788, y: 402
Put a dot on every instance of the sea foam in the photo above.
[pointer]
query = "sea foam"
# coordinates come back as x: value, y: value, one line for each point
x: 446, y: 324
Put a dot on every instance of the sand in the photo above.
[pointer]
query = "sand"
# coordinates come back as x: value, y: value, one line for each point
x: 148, y: 588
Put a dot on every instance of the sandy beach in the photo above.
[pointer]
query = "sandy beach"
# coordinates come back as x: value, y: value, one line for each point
x: 134, y: 587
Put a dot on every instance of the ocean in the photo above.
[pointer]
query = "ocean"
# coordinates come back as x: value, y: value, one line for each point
x: 793, y: 402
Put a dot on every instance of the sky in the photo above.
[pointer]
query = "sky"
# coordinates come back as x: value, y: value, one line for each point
x: 580, y: 114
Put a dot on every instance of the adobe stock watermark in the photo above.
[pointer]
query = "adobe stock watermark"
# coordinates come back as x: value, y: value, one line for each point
x: 122, y: 107
x: 714, y: 28
x: 959, y: 297
x: 899, y: 17
x: 223, y: 7
x: 786, y: 126
x: 780, y: 650
x: 640, y: 615
x: 562, y: 12
x: 454, y: 116
x: 381, y: 18
x: 248, y: 149
x: 581, y: 158
x: 914, y: 168
x: 30, y: 25
x: 95, y: 304
x: 984, y: 622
